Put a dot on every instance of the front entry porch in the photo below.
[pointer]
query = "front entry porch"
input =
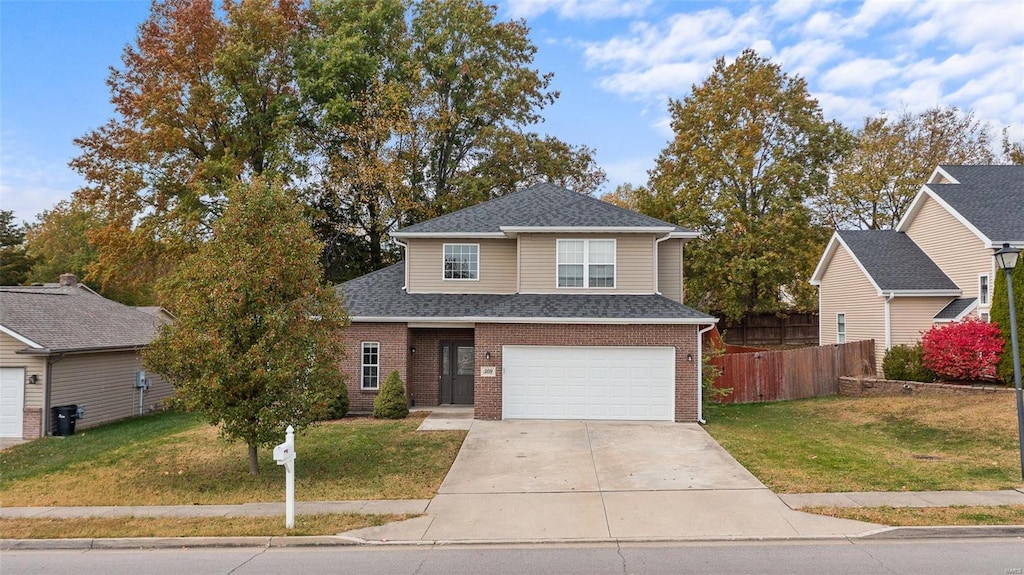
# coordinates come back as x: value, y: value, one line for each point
x: 442, y: 363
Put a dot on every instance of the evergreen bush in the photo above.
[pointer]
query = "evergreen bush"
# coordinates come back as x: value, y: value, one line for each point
x: 390, y: 403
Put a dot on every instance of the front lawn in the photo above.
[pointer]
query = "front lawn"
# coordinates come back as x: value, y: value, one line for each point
x: 174, y: 459
x: 903, y: 443
x: 927, y: 516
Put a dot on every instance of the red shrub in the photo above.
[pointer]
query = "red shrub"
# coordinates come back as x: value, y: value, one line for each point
x: 965, y: 350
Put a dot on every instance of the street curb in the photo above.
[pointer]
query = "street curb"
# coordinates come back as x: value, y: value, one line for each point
x: 943, y: 532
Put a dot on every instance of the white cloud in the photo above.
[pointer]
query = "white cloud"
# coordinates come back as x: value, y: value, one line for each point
x: 805, y: 58
x: 579, y: 9
x: 660, y: 80
x: 628, y: 171
x: 858, y: 74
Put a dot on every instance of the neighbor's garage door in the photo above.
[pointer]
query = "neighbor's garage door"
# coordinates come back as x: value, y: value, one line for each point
x: 12, y: 401
x: 624, y: 383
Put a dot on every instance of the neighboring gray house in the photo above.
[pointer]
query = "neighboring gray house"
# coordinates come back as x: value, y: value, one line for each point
x: 63, y: 344
x: 541, y: 304
x: 935, y: 267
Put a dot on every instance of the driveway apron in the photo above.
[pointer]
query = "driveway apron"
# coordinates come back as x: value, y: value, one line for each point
x: 587, y: 480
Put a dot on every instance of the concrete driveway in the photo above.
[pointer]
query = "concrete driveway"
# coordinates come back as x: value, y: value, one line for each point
x: 595, y: 481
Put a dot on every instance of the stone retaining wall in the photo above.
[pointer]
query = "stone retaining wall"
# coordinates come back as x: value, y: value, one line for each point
x: 867, y: 386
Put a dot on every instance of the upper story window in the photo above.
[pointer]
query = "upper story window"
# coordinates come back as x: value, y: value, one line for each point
x: 462, y: 261
x: 984, y: 296
x: 840, y: 328
x: 586, y: 263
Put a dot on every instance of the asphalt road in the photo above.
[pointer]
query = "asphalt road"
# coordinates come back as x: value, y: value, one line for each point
x: 932, y: 556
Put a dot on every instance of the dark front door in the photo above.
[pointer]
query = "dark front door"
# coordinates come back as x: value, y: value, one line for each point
x: 457, y: 368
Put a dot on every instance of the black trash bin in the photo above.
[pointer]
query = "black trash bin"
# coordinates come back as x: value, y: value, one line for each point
x: 65, y: 416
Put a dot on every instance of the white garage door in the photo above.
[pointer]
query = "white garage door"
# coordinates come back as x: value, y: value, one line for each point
x: 12, y: 400
x: 624, y: 383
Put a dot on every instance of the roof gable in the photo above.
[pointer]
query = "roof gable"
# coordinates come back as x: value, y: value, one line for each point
x: 891, y: 261
x: 988, y: 200
x: 543, y: 206
x: 70, y: 318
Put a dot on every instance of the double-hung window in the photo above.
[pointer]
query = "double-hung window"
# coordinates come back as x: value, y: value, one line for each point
x: 461, y: 261
x: 840, y: 328
x: 984, y: 295
x: 586, y: 263
x: 371, y: 365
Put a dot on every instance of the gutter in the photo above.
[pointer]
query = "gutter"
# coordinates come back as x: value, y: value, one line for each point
x: 45, y: 419
x: 700, y: 373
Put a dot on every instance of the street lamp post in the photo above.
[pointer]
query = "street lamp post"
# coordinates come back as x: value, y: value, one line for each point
x: 1006, y: 259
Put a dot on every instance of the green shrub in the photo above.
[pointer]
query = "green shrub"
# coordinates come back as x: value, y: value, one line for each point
x: 906, y: 363
x: 1001, y: 317
x: 338, y: 407
x: 390, y: 403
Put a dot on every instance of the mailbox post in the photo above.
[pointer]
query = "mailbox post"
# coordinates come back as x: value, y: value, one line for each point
x: 284, y: 454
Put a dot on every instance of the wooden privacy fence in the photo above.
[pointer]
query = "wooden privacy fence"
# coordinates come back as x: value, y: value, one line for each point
x: 770, y: 329
x: 792, y: 374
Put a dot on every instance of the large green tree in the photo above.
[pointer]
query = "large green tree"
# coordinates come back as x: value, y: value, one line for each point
x: 1000, y: 314
x: 750, y: 149
x: 257, y: 336
x: 877, y: 180
x: 15, y: 263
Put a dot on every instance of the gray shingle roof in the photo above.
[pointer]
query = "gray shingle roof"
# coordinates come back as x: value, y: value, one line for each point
x: 540, y: 205
x: 895, y: 262
x: 380, y: 294
x: 68, y: 318
x: 955, y: 308
x: 990, y: 197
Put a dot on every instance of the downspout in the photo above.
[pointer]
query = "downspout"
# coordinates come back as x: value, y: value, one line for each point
x: 46, y: 394
x: 405, y: 280
x: 657, y: 241
x: 700, y: 373
x: 888, y: 322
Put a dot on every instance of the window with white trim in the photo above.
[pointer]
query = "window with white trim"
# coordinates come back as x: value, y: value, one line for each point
x: 371, y: 365
x: 984, y: 295
x: 840, y: 328
x: 985, y: 317
x: 461, y: 261
x: 586, y: 263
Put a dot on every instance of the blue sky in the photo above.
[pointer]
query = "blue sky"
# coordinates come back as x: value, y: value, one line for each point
x: 616, y: 63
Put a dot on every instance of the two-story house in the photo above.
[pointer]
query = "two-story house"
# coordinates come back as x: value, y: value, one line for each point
x: 542, y: 304
x: 937, y: 265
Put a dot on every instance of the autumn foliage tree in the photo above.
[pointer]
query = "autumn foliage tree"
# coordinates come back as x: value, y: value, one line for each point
x: 750, y: 149
x: 257, y: 336
x: 877, y: 180
x: 967, y: 350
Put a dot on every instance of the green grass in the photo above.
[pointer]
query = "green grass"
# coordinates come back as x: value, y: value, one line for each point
x: 174, y: 459
x: 94, y: 528
x: 904, y: 443
x: 928, y: 516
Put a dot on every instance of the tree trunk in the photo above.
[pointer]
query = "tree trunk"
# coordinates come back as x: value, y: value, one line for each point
x: 254, y: 464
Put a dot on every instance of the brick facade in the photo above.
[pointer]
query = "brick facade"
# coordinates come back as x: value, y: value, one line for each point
x: 424, y: 383
x: 31, y: 422
x: 490, y: 338
x: 394, y: 355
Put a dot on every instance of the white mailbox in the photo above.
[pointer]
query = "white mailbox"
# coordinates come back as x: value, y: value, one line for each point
x: 284, y: 454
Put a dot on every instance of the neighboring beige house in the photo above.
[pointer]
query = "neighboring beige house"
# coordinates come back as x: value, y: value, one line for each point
x: 63, y: 344
x: 935, y: 267
x: 541, y: 304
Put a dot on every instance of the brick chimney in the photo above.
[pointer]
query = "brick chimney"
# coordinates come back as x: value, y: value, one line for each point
x: 68, y: 280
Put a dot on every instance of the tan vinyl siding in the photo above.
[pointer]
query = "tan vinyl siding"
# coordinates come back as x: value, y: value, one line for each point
x: 954, y: 248
x: 909, y: 316
x: 670, y: 269
x: 634, y: 263
x: 845, y: 289
x: 33, y: 364
x: 497, y: 267
x: 105, y: 384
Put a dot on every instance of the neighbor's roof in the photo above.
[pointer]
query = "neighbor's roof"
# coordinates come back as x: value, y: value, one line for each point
x: 52, y: 318
x: 379, y: 296
x: 989, y: 200
x: 891, y: 261
x: 956, y: 309
x: 539, y: 206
